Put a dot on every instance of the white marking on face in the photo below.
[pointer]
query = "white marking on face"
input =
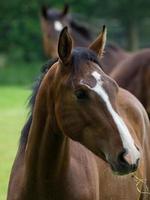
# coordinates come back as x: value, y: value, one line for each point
x: 125, y: 135
x: 58, y: 26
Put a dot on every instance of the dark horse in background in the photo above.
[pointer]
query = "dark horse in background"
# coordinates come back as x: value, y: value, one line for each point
x: 82, y: 127
x: 53, y: 21
x: 133, y: 74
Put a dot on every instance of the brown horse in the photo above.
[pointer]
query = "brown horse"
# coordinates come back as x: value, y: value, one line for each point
x: 82, y: 128
x: 133, y: 74
x: 53, y: 21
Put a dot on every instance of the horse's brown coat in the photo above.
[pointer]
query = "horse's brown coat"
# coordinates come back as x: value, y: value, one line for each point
x: 133, y: 74
x: 59, y: 161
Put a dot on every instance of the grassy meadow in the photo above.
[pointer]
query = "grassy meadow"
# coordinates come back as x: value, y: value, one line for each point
x: 13, y: 113
x: 15, y: 84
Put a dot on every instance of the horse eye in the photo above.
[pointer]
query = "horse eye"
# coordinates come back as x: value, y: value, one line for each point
x: 81, y: 94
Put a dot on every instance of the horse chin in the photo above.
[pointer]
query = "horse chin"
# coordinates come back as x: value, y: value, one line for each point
x: 118, y: 169
x: 122, y: 170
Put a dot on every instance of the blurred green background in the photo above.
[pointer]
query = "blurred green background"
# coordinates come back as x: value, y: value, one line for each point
x: 21, y: 54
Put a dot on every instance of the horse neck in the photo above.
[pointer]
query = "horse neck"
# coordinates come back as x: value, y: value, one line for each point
x: 112, y: 56
x: 47, y: 149
x: 129, y: 69
x: 124, y: 71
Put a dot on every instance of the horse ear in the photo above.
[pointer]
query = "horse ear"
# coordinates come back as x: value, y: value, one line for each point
x: 44, y: 11
x: 65, y: 10
x: 65, y: 46
x: 99, y: 44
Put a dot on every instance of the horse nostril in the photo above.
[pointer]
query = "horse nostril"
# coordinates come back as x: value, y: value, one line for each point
x: 134, y: 167
x: 122, y: 157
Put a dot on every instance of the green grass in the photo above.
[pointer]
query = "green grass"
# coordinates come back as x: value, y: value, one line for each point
x: 13, y: 114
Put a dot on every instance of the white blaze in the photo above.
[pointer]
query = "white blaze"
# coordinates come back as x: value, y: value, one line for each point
x: 58, y: 26
x: 125, y: 135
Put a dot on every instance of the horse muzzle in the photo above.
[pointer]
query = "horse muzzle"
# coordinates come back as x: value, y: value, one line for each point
x: 124, y: 165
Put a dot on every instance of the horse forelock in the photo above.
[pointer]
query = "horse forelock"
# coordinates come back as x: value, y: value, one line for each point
x: 80, y: 55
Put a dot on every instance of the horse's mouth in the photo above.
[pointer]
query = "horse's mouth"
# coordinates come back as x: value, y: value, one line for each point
x: 119, y: 168
x: 123, y: 169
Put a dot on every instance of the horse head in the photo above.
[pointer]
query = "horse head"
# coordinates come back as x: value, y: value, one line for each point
x: 53, y: 21
x: 87, y: 108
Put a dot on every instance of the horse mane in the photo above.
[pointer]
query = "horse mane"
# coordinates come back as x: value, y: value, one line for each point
x: 84, y: 31
x: 32, y: 98
x: 78, y: 55
x: 81, y: 54
x: 113, y: 47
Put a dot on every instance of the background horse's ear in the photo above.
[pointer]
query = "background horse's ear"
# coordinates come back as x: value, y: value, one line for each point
x: 65, y: 10
x: 99, y: 44
x: 65, y: 46
x: 44, y: 11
